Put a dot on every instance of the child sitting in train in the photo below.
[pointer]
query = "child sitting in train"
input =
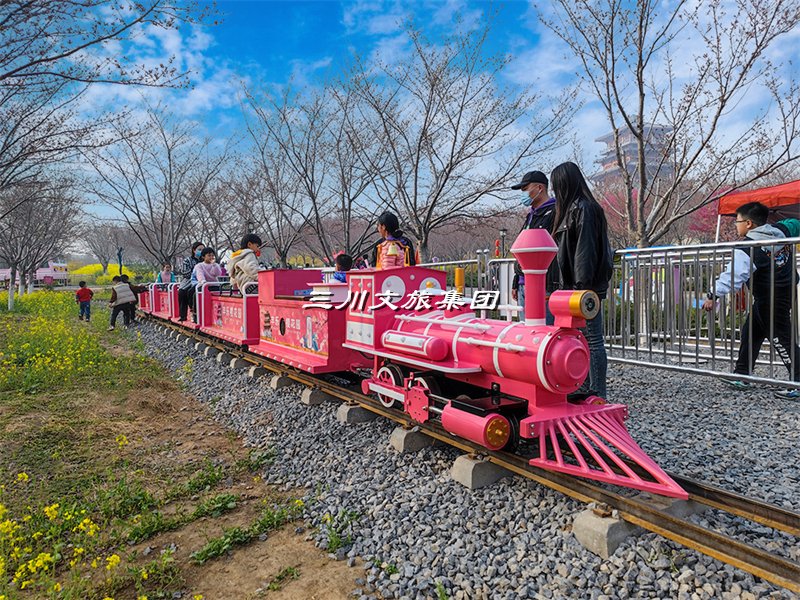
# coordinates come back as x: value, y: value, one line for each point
x: 206, y: 270
x: 395, y: 249
x: 165, y: 275
x: 243, y: 265
x: 343, y: 262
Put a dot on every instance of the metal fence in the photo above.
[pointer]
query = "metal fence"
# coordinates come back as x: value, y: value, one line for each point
x: 654, y: 316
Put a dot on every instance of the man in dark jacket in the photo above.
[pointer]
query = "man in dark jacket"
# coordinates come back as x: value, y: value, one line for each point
x: 540, y: 216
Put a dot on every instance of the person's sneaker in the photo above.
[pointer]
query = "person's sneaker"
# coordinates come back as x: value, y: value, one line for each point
x: 788, y: 394
x: 735, y: 383
x: 111, y: 328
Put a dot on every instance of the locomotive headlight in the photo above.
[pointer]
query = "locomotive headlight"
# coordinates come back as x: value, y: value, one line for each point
x: 497, y: 432
x: 585, y: 303
x: 580, y: 304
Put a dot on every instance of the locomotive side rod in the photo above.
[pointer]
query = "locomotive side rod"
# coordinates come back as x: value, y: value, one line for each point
x: 728, y: 550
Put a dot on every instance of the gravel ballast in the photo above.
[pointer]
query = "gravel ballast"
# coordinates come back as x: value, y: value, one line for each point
x: 419, y: 533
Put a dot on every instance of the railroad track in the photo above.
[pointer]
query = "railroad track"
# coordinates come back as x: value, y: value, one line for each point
x: 639, y: 510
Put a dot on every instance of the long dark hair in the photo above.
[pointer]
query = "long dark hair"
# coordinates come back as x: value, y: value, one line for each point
x: 568, y: 185
x: 390, y: 221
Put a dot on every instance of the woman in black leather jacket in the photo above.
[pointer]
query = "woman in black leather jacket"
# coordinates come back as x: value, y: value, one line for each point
x: 585, y: 259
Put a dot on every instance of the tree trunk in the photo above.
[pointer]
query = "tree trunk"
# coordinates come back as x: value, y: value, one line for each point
x: 12, y: 287
x: 424, y: 250
x: 105, y: 266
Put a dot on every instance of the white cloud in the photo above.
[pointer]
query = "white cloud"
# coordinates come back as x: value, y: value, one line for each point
x: 214, y: 84
x: 450, y: 11
x: 304, y: 73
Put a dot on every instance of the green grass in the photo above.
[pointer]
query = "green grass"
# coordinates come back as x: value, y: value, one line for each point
x: 284, y: 575
x: 206, y: 478
x: 441, y: 593
x: 339, y: 528
x: 271, y: 518
x: 153, y: 523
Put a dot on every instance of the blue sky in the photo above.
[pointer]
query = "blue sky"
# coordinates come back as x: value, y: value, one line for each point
x: 280, y: 36
x: 266, y: 44
x: 269, y: 43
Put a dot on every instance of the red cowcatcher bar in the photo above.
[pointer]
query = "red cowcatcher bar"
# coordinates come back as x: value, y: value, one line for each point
x: 534, y: 250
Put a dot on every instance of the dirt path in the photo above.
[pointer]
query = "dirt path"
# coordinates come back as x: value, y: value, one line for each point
x: 184, y: 433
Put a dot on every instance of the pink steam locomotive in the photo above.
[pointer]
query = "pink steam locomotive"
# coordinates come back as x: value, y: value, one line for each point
x: 423, y: 351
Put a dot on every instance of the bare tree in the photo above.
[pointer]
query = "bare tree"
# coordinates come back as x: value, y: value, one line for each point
x: 50, y: 52
x: 36, y: 229
x: 220, y: 216
x: 319, y: 145
x: 154, y: 177
x: 104, y: 239
x: 677, y: 136
x: 280, y: 185
x: 451, y: 136
x: 274, y: 202
x: 44, y: 40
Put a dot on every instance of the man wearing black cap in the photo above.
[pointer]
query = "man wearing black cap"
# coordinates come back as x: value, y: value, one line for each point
x: 540, y: 216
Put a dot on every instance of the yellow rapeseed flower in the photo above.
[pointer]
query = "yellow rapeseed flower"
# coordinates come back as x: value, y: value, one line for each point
x: 57, y: 587
x: 144, y: 574
x: 3, y: 511
x: 122, y: 441
x: 139, y: 598
x: 7, y: 529
x: 87, y: 526
x: 198, y: 597
x: 51, y: 512
x: 112, y: 562
x: 22, y: 477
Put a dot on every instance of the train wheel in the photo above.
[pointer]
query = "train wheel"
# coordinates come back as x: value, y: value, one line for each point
x: 390, y: 375
x: 513, y: 440
x: 429, y: 383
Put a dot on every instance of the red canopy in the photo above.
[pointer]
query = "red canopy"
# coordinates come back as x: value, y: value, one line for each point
x: 783, y: 200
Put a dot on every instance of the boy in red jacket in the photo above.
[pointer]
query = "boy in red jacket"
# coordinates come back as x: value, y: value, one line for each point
x: 84, y: 299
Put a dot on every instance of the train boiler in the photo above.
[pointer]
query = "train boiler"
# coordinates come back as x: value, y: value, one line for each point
x: 497, y: 382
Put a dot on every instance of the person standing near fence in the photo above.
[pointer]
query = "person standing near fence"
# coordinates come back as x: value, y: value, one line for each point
x: 540, y: 216
x: 770, y: 275
x: 585, y: 259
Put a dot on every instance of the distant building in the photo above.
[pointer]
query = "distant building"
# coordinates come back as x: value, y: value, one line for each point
x: 55, y: 273
x: 655, y: 148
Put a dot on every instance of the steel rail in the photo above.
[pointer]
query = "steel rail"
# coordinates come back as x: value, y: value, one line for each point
x: 767, y: 514
x: 758, y: 562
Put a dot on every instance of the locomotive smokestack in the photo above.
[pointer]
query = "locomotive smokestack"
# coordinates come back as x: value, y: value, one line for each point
x: 534, y: 250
